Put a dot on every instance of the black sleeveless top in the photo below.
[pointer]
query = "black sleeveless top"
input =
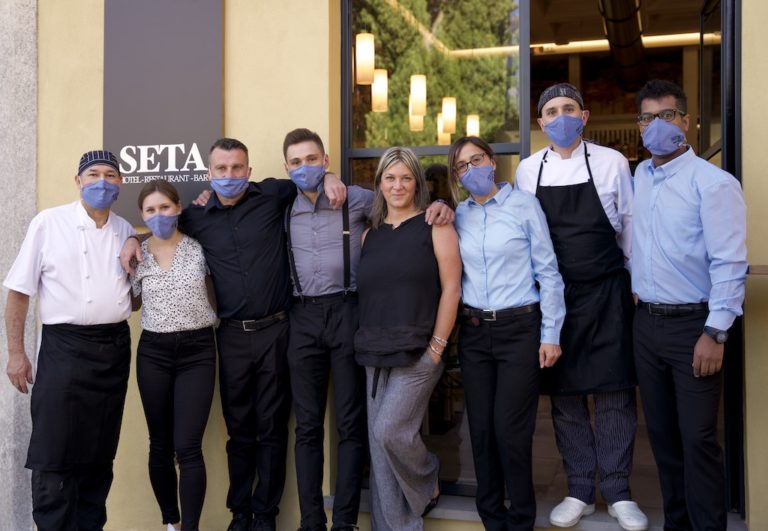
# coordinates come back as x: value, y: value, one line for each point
x: 398, y: 286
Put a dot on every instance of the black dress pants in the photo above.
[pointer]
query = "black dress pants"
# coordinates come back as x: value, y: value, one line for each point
x: 500, y: 367
x: 176, y: 372
x: 256, y: 401
x: 681, y: 413
x: 322, y: 344
x: 71, y: 500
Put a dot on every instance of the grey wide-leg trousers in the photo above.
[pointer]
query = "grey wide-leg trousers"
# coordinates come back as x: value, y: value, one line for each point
x: 403, y: 472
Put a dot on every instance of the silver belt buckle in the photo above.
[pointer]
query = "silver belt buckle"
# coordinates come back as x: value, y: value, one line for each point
x: 493, y: 315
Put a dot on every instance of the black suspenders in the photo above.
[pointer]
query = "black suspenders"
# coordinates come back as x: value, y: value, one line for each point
x: 345, y: 238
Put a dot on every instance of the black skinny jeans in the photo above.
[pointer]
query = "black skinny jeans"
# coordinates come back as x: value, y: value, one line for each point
x: 176, y: 373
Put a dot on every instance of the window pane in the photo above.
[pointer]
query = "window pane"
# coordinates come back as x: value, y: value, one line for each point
x: 466, y: 49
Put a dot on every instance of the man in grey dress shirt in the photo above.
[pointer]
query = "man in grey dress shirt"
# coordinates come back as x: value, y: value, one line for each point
x: 324, y: 251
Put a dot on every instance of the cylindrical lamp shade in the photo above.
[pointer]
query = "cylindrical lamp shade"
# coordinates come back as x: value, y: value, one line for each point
x: 419, y: 94
x: 364, y: 58
x: 379, y: 91
x: 415, y: 121
x: 473, y: 125
x: 443, y: 138
x: 449, y: 115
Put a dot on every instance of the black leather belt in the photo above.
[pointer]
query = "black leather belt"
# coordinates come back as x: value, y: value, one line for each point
x: 673, y: 310
x: 252, y: 325
x: 327, y: 299
x: 197, y: 332
x: 497, y: 315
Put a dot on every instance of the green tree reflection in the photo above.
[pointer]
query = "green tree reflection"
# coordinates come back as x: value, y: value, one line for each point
x: 485, y: 85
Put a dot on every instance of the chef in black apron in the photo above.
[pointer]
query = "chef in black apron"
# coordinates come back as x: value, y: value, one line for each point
x: 586, y: 194
x: 69, y: 260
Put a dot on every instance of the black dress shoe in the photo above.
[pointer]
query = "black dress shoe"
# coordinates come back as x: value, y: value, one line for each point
x: 263, y: 523
x: 431, y: 505
x: 240, y: 522
x: 434, y: 501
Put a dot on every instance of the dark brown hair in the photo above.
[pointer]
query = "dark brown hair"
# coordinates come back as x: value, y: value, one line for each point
x: 453, y: 155
x: 162, y: 186
x: 656, y: 89
x: 297, y: 136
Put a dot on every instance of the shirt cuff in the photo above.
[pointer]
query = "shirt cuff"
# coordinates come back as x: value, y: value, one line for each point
x: 549, y: 335
x: 720, y: 319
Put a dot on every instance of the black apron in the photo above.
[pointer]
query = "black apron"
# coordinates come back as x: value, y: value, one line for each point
x: 597, y: 333
x: 78, y: 395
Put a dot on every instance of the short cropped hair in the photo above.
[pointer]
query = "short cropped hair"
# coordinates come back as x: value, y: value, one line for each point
x: 228, y: 144
x: 297, y: 136
x: 656, y: 89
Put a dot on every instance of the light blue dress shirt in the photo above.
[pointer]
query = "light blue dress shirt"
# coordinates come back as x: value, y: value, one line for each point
x: 505, y: 250
x: 689, y: 241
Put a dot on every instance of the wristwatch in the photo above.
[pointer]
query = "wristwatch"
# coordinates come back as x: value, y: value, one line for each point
x: 720, y: 336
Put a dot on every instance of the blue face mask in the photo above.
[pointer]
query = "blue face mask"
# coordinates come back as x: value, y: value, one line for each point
x: 478, y: 180
x: 162, y: 227
x: 100, y: 195
x: 662, y: 138
x: 308, y: 177
x: 564, y: 130
x: 229, y: 187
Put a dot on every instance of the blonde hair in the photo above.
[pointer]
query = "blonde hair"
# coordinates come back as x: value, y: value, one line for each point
x: 392, y: 156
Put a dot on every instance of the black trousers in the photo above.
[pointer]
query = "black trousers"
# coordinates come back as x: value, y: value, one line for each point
x: 681, y: 413
x: 256, y: 401
x: 500, y: 367
x: 176, y: 373
x: 71, y: 500
x: 322, y: 344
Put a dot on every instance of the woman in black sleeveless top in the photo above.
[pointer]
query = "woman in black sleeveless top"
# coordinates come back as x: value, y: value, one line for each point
x: 409, y: 285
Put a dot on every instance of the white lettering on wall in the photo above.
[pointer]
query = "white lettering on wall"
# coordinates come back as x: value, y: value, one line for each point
x: 161, y: 158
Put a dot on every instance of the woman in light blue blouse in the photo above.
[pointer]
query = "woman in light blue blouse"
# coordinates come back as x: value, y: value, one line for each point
x: 510, y: 328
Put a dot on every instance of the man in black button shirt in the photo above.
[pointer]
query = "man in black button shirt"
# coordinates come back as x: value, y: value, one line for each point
x: 241, y: 230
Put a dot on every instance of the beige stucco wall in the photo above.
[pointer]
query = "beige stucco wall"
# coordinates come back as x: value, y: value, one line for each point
x: 754, y: 71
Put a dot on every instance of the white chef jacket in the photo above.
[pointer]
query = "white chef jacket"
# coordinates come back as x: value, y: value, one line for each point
x: 74, y: 267
x: 612, y: 178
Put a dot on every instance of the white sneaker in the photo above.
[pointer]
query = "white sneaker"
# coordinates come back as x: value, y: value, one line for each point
x: 569, y: 511
x: 629, y: 515
x: 171, y: 527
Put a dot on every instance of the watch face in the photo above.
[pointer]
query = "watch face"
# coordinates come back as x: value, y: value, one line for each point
x: 721, y: 337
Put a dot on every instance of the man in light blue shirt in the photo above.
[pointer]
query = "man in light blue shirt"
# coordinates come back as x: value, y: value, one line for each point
x: 689, y: 264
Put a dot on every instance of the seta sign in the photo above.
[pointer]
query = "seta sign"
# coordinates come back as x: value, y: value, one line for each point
x: 163, y: 64
x: 175, y: 163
